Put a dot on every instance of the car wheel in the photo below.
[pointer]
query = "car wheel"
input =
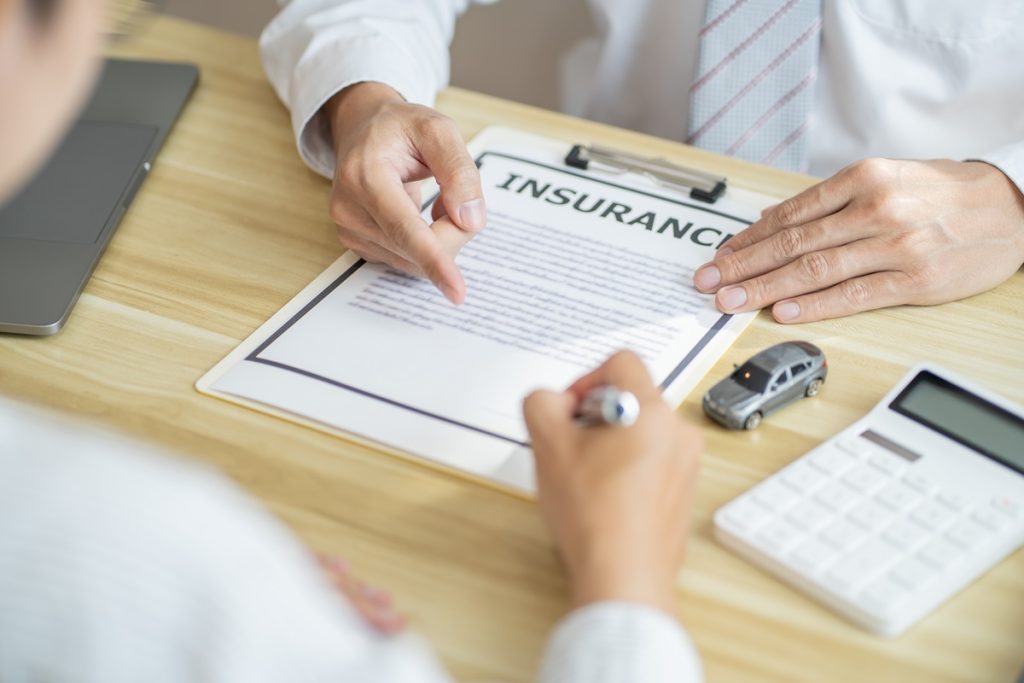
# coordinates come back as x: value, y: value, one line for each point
x: 814, y: 387
x: 752, y: 421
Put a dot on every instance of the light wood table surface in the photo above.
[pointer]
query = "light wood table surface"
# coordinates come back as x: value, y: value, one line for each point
x: 230, y: 225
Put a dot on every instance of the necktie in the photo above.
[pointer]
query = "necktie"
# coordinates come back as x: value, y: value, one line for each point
x: 755, y: 75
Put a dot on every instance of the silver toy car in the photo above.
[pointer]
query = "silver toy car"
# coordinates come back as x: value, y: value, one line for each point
x: 767, y: 382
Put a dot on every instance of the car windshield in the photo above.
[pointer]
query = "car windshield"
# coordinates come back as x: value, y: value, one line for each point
x: 752, y: 377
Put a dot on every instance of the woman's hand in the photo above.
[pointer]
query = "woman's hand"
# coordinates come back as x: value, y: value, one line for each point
x: 374, y: 605
x: 617, y: 499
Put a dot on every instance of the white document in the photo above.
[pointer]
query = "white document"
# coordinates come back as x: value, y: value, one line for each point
x: 572, y: 266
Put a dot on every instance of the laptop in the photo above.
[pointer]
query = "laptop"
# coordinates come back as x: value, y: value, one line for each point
x: 53, y: 232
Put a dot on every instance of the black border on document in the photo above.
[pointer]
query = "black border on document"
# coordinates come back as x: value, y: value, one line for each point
x: 254, y: 357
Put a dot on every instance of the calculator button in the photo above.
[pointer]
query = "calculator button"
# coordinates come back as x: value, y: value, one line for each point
x: 854, y: 445
x: 831, y: 461
x: 774, y: 495
x: 920, y: 482
x: 884, y: 596
x: 744, y: 515
x: 778, y: 536
x: 897, y: 497
x: 957, y: 501
x: 859, y: 567
x: 940, y: 553
x: 912, y: 573
x: 1008, y: 506
x: 932, y: 515
x: 888, y: 463
x: 841, y: 534
x: 869, y: 515
x: 905, y: 535
x: 967, y: 534
x: 836, y: 496
x: 990, y: 518
x: 811, y: 554
x: 809, y: 515
x: 802, y: 477
x: 864, y: 479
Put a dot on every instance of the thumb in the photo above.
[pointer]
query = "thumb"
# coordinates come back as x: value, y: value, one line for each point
x: 459, y: 178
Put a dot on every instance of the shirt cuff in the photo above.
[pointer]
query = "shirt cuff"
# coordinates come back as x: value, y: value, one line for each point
x: 1009, y: 160
x: 621, y: 642
x: 329, y: 70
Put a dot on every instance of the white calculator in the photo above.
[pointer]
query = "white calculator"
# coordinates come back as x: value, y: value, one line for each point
x: 893, y: 515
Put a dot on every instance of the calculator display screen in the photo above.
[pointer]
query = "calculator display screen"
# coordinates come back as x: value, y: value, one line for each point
x: 964, y: 417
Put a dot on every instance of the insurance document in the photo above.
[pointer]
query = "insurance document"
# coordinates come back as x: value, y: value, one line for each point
x: 573, y: 266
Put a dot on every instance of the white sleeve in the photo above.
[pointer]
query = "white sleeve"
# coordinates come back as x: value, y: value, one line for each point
x: 1009, y: 160
x: 130, y: 566
x: 315, y: 48
x: 620, y: 642
x: 138, y: 567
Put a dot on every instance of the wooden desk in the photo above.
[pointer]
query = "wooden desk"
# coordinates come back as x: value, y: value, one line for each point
x: 230, y: 225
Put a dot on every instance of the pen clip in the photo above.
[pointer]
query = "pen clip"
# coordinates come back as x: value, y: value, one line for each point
x: 701, y: 185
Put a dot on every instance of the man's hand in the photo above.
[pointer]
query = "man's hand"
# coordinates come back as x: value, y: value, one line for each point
x: 879, y: 233
x: 384, y: 148
x: 617, y: 499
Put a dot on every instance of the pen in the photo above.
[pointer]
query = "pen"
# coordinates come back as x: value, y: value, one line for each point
x: 608, y: 405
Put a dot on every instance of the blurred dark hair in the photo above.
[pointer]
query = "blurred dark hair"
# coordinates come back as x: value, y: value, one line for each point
x: 42, y: 8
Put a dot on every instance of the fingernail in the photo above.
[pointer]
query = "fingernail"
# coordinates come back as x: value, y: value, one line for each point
x: 787, y: 310
x: 732, y: 298
x: 473, y: 215
x: 707, y: 277
x: 449, y: 292
x: 725, y: 251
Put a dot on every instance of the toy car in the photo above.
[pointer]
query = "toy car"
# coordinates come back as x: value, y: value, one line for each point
x: 771, y: 380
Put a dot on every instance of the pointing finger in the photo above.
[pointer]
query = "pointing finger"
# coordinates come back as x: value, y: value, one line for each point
x: 411, y: 237
x: 375, y: 253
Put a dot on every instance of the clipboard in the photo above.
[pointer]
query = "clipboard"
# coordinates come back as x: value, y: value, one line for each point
x: 703, y: 186
x: 510, y: 470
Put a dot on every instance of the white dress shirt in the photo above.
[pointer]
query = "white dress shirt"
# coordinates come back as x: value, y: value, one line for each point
x: 120, y: 564
x: 897, y: 78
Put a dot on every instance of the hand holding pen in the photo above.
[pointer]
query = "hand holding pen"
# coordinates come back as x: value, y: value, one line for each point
x: 617, y: 499
x: 608, y: 405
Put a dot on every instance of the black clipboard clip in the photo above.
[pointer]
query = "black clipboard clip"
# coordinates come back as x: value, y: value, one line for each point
x: 703, y: 186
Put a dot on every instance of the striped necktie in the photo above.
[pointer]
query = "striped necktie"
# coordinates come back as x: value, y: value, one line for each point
x: 755, y: 85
